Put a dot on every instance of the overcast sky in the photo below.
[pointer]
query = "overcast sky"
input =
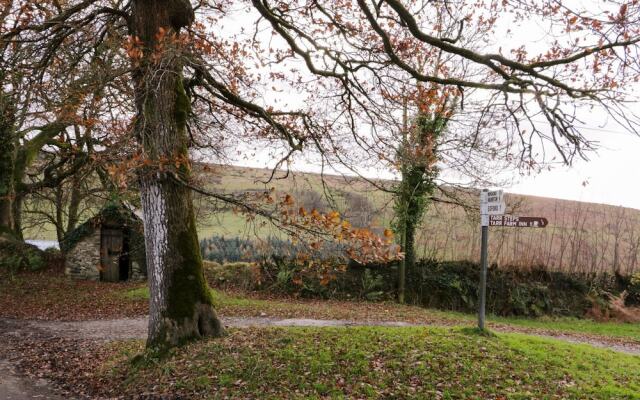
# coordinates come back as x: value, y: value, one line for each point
x: 609, y: 176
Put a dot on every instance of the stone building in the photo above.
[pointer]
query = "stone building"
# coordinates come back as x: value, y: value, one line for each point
x: 108, y: 247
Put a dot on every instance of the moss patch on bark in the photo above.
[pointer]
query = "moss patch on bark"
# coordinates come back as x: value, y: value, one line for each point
x: 189, y: 286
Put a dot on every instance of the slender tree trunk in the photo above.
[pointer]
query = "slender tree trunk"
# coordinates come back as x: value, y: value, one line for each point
x: 408, y: 225
x: 402, y: 269
x: 417, y: 184
x: 74, y: 205
x: 407, y: 264
x: 75, y: 197
x: 181, y: 304
x: 410, y: 246
x: 59, y: 204
x: 23, y: 154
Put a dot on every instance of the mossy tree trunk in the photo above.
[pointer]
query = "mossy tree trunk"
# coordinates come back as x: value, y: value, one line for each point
x: 181, y: 306
x: 8, y: 151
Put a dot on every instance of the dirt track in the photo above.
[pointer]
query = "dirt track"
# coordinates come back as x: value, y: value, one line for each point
x: 136, y: 328
x: 14, y: 386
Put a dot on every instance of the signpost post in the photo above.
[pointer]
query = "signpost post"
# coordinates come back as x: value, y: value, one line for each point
x: 492, y: 209
x: 484, y: 216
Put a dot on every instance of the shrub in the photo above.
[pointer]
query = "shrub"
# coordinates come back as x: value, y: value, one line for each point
x: 445, y: 285
x: 372, y: 286
x: 284, y: 267
x: 304, y: 278
x: 510, y: 291
x: 335, y: 279
x: 633, y: 290
x: 239, y: 275
x: 20, y: 256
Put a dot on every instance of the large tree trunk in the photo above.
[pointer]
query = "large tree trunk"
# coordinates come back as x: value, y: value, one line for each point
x: 181, y: 304
x: 7, y: 162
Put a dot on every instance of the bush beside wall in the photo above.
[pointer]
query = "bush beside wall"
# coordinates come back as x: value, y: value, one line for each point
x: 444, y: 285
x: 510, y: 291
x: 238, y: 275
x: 18, y: 256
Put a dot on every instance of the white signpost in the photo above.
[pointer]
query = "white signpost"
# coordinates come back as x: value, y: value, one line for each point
x: 492, y: 209
x: 495, y: 196
x: 492, y: 203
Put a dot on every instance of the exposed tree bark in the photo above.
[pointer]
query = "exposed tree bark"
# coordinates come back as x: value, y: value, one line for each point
x: 74, y: 205
x: 59, y: 213
x: 181, y: 304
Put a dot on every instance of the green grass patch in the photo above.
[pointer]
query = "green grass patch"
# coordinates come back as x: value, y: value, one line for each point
x: 447, y: 363
x: 557, y: 324
x: 141, y: 293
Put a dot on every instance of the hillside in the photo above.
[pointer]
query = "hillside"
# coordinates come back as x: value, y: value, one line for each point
x: 580, y: 236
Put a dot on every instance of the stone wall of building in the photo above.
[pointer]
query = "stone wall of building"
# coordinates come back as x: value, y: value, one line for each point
x: 137, y: 274
x: 83, y: 260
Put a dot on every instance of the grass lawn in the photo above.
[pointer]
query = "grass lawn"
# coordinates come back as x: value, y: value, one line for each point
x: 442, y: 363
x: 445, y: 361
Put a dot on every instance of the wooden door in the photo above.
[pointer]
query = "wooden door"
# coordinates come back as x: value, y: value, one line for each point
x: 111, y: 249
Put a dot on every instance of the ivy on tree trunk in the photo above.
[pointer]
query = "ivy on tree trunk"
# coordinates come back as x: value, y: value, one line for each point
x: 8, y: 146
x: 418, y: 174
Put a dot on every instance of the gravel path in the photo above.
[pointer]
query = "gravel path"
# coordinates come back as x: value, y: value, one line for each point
x: 632, y: 348
x: 136, y: 328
